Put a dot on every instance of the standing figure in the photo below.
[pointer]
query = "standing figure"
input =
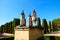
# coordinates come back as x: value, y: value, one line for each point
x: 34, y: 19
x: 23, y: 20
x: 34, y: 15
x: 30, y: 20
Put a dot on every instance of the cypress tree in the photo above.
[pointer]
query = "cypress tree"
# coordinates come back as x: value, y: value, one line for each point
x: 39, y: 22
x: 50, y: 26
x: 45, y: 25
x: 54, y: 26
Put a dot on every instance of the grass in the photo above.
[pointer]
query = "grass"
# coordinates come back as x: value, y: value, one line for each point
x: 56, y: 37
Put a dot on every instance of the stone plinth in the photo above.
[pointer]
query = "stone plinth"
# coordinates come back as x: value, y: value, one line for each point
x: 35, y: 33
x: 26, y: 33
x: 22, y: 33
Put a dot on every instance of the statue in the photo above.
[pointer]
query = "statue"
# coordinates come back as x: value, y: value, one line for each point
x: 23, y: 20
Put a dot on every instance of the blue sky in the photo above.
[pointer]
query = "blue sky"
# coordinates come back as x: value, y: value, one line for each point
x: 10, y: 9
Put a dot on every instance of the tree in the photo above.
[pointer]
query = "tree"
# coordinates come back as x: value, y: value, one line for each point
x: 54, y: 26
x: 56, y: 21
x: 44, y: 24
x: 11, y: 27
x: 6, y: 28
x: 15, y: 23
x: 50, y: 26
x: 39, y: 22
x: 1, y: 28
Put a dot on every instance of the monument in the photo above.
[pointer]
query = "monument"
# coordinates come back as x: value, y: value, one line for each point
x: 30, y: 32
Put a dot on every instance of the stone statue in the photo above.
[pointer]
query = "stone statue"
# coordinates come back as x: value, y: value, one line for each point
x: 23, y: 20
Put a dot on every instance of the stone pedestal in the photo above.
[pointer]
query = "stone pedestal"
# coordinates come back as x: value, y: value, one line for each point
x: 35, y: 33
x: 25, y: 33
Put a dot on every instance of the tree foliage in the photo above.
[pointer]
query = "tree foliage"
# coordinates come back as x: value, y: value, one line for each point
x: 50, y: 26
x: 39, y: 22
x: 56, y: 23
x: 16, y: 22
x: 45, y: 25
x: 9, y: 27
x: 54, y: 26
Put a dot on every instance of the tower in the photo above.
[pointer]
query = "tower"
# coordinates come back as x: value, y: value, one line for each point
x: 23, y: 20
x: 30, y: 20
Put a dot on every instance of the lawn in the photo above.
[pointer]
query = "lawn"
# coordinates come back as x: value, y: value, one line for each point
x: 56, y: 37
